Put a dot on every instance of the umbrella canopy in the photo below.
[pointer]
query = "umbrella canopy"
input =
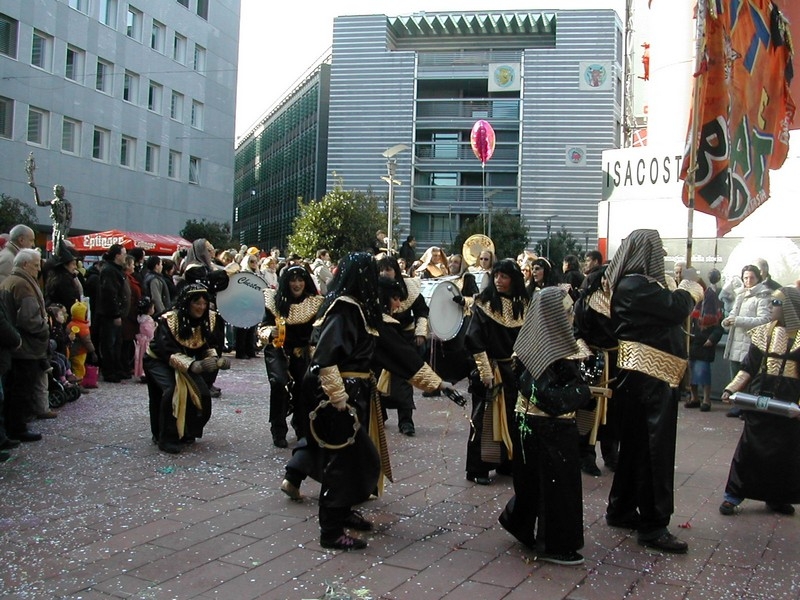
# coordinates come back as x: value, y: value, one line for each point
x: 153, y: 243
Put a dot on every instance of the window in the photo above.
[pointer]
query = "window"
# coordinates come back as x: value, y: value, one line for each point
x: 71, y: 136
x: 74, y: 66
x: 194, y: 169
x: 108, y: 12
x: 134, y: 24
x: 174, y: 165
x: 8, y: 35
x: 78, y: 5
x: 38, y: 122
x: 157, y: 35
x: 6, y: 117
x: 202, y: 9
x: 184, y: 3
x: 176, y: 106
x: 199, y: 63
x: 100, y: 142
x: 179, y: 49
x: 197, y: 114
x: 104, y: 76
x: 154, y: 97
x: 41, y: 51
x: 130, y: 87
x: 127, y: 152
x: 151, y: 158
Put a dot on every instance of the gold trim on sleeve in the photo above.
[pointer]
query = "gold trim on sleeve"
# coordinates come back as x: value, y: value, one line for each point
x: 331, y: 382
x: 426, y: 379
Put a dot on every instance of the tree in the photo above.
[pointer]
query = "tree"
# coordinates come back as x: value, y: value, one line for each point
x: 219, y: 234
x: 341, y: 222
x: 14, y: 212
x: 509, y: 235
x: 561, y: 244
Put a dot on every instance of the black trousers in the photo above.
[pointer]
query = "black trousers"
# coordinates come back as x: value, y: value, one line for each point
x: 285, y: 372
x: 19, y: 399
x: 645, y: 477
x: 110, y: 347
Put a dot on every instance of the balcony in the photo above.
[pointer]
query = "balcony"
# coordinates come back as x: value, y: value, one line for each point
x: 464, y: 199
x: 501, y: 113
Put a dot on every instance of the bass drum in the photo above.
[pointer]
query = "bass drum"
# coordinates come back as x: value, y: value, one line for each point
x: 445, y: 316
x: 242, y: 303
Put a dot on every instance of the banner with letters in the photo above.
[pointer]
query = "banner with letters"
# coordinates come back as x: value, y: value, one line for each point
x: 745, y: 107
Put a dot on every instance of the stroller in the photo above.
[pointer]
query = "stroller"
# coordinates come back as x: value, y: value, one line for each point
x: 59, y: 387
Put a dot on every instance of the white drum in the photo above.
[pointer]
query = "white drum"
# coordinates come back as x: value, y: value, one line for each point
x: 445, y: 316
x: 242, y: 303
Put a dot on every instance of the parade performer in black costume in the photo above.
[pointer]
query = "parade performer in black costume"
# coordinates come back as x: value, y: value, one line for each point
x: 497, y: 315
x: 593, y: 325
x: 648, y: 320
x: 412, y: 315
x: 179, y: 359
x: 285, y: 332
x: 766, y: 464
x: 546, y: 511
x: 351, y: 341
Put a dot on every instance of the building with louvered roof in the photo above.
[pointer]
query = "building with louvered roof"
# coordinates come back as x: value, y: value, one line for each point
x: 548, y: 82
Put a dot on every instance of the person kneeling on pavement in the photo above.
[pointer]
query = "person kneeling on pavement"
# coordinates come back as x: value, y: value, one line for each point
x: 180, y: 362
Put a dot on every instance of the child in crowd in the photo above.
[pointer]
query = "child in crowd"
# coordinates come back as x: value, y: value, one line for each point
x: 147, y: 328
x: 82, y: 347
x: 60, y: 342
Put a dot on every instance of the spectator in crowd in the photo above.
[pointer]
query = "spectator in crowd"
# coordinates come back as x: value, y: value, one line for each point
x: 408, y: 250
x: 24, y: 303
x: 112, y: 308
x: 155, y: 285
x: 138, y: 255
x: 321, y: 270
x: 61, y: 285
x: 9, y: 340
x: 766, y: 278
x: 706, y: 333
x: 20, y: 236
x: 130, y: 323
x: 592, y: 261
x: 572, y: 275
x: 750, y: 309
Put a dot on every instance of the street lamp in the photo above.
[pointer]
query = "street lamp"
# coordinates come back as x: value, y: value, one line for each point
x: 391, y: 167
x: 488, y: 199
x: 549, y: 223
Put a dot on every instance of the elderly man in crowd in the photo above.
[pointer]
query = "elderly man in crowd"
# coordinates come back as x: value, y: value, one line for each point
x: 20, y: 236
x: 24, y: 303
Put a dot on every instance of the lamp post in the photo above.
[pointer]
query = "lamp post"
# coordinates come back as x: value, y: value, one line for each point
x: 549, y: 223
x: 391, y: 168
x: 488, y: 198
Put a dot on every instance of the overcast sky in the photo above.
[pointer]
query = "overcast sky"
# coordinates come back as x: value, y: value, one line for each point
x: 280, y: 40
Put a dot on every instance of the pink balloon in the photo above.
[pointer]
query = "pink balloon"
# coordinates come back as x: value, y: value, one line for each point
x: 482, y: 140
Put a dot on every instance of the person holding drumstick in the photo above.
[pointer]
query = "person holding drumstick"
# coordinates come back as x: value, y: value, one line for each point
x: 285, y: 332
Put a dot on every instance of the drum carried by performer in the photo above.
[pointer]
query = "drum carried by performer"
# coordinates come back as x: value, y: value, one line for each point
x: 285, y: 332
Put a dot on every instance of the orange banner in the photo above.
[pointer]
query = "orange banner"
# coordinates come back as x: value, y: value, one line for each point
x: 745, y: 107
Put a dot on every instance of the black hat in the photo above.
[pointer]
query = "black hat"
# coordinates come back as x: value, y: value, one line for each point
x: 63, y: 256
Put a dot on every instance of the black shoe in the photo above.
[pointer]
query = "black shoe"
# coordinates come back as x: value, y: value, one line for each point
x: 280, y: 443
x: 705, y: 407
x: 28, y: 436
x: 629, y: 521
x: 169, y: 447
x: 666, y: 542
x: 734, y: 412
x: 214, y: 391
x: 432, y: 394
x: 9, y: 444
x: 291, y: 490
x: 562, y: 558
x: 343, y: 542
x: 188, y: 440
x: 4, y: 455
x: 408, y: 429
x: 125, y: 376
x: 589, y: 467
x: 479, y: 479
x: 727, y: 508
x: 112, y: 379
x: 506, y: 470
x: 781, y: 508
x: 355, y: 520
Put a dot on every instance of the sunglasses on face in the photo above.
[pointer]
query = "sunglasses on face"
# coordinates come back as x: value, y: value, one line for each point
x: 777, y: 302
x: 484, y: 258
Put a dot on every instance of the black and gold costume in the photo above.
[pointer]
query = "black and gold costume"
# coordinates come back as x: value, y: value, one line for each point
x: 180, y: 401
x: 648, y: 320
x: 285, y: 332
x: 546, y: 512
x: 766, y: 464
x: 493, y: 328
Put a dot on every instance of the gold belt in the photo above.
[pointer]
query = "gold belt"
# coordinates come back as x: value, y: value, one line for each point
x: 635, y: 356
x: 527, y: 407
x: 355, y: 375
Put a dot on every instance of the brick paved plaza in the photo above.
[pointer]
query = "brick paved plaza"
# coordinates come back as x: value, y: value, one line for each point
x: 96, y: 511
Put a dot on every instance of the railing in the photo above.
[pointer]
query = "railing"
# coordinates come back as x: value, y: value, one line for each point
x: 464, y: 198
x: 501, y: 109
x: 427, y: 153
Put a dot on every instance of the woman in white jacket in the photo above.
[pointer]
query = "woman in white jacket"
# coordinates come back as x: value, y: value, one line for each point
x: 750, y: 309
